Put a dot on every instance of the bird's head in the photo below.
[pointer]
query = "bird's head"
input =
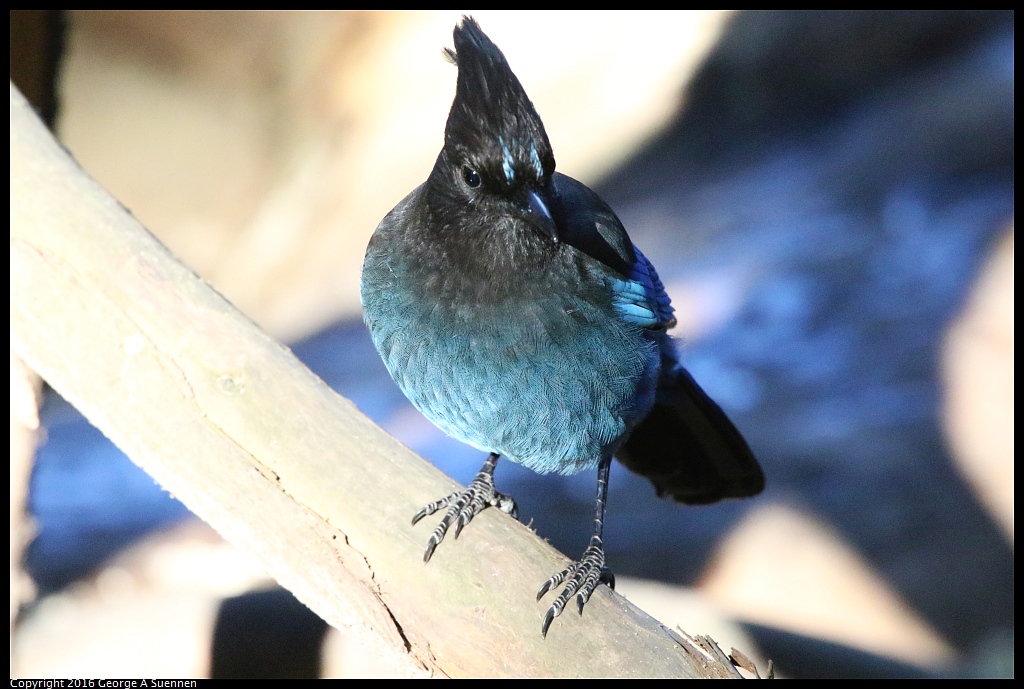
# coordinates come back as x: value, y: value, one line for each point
x: 496, y: 153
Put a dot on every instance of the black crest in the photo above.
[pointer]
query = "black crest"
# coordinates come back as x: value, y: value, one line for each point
x: 492, y: 118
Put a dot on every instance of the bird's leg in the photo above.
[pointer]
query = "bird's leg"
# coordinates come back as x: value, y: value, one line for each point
x: 583, y: 576
x: 466, y: 504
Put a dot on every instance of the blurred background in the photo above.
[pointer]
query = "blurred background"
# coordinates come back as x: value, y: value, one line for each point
x: 828, y: 197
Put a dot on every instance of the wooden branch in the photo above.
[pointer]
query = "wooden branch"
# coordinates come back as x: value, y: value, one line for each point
x: 25, y: 398
x: 228, y: 421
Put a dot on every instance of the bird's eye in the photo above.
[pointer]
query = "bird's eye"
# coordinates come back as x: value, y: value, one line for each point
x: 470, y: 176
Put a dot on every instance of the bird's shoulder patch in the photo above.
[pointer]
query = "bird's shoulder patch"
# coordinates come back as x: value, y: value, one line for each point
x: 640, y: 298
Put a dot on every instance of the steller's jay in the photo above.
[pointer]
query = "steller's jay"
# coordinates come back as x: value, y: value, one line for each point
x: 512, y: 309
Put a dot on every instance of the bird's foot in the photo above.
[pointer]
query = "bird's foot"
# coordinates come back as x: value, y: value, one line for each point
x: 583, y: 577
x: 464, y: 505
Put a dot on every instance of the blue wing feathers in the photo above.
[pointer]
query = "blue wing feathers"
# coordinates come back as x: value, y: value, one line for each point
x: 641, y: 298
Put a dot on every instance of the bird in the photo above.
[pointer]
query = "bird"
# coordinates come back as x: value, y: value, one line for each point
x: 511, y: 307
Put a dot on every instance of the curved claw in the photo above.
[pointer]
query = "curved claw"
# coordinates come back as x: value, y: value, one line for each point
x: 429, y: 552
x: 551, y: 614
x: 419, y: 515
x: 554, y: 611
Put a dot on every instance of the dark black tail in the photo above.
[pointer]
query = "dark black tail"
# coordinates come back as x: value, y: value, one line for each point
x: 688, y: 447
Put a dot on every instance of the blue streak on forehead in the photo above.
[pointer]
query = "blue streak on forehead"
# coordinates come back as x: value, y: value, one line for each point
x: 535, y: 159
x: 506, y: 160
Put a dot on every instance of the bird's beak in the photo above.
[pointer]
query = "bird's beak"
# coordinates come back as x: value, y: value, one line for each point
x: 538, y: 213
